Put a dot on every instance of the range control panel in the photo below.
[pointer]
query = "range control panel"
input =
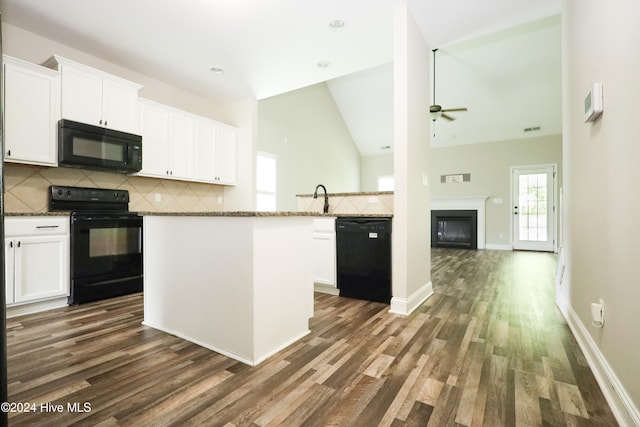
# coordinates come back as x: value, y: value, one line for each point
x: 81, y: 198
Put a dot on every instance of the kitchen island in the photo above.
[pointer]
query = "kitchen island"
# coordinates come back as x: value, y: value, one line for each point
x: 238, y: 283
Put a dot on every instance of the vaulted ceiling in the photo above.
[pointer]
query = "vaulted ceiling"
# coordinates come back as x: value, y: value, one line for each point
x: 510, y: 82
x: 271, y: 47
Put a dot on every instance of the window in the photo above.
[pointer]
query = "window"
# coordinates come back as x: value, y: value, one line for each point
x: 266, y: 182
x: 385, y: 183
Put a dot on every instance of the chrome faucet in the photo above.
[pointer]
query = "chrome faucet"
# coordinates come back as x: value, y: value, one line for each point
x: 326, y: 198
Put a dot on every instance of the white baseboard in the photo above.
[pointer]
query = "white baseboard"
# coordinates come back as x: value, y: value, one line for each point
x: 235, y: 356
x: 246, y: 361
x: 36, y: 307
x: 280, y: 348
x: 326, y: 289
x: 406, y: 306
x: 496, y: 247
x: 614, y: 392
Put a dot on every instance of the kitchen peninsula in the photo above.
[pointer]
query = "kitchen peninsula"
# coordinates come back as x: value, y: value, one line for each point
x: 238, y: 283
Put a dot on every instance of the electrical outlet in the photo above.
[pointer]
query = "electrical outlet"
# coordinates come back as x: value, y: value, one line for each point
x: 158, y: 197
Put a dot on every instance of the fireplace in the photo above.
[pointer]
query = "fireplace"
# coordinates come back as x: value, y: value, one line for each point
x: 454, y: 229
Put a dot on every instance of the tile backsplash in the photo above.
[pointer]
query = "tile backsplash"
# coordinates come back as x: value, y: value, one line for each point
x: 350, y: 203
x: 26, y: 189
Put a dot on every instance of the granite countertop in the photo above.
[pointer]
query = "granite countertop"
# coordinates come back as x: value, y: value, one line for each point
x: 364, y: 193
x: 62, y: 213
x: 218, y: 213
x: 263, y: 214
x: 235, y: 214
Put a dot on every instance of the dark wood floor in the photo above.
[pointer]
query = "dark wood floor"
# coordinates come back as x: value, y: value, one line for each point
x: 488, y: 348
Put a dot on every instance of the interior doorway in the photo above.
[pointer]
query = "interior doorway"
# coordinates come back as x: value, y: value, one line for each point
x: 533, y: 207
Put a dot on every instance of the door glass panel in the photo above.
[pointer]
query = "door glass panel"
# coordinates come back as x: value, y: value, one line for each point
x: 533, y: 206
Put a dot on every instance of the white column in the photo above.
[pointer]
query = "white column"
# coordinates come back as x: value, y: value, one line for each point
x: 411, y: 263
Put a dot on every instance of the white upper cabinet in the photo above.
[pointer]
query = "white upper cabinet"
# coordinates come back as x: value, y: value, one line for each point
x: 30, y: 97
x: 154, y: 128
x: 226, y: 155
x: 95, y: 97
x: 205, y: 147
x: 180, y: 145
x: 167, y: 141
x: 215, y: 152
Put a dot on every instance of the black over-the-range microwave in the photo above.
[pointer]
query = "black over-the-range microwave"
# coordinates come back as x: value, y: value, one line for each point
x: 95, y: 147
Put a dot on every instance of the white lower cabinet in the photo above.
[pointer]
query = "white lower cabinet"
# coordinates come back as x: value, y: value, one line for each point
x: 324, y: 254
x: 36, y: 259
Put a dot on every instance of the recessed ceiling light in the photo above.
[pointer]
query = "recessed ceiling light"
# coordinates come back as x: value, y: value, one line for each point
x: 336, y: 24
x: 323, y: 64
x: 217, y: 70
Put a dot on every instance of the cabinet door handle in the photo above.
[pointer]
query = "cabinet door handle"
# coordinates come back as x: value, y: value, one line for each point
x: 8, y: 152
x: 10, y: 244
x: 18, y: 243
x: 47, y: 226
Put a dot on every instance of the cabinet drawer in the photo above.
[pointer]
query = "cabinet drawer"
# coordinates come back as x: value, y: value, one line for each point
x: 36, y: 226
x: 324, y: 225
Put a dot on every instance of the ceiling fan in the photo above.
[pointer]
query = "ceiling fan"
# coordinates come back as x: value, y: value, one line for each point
x: 436, y: 110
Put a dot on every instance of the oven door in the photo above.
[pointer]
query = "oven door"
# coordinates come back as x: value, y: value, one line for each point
x: 106, y: 256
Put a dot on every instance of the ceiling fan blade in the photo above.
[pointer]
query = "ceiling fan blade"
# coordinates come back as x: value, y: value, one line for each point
x: 448, y: 117
x: 454, y: 109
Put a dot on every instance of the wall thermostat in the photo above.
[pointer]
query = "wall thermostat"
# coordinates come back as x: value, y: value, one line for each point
x: 593, y: 103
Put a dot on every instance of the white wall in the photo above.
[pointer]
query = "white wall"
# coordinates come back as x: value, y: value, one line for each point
x: 372, y: 167
x: 242, y: 196
x: 601, y: 191
x: 489, y: 165
x: 305, y: 130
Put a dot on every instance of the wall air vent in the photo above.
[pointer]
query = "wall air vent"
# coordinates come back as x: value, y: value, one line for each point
x: 532, y: 129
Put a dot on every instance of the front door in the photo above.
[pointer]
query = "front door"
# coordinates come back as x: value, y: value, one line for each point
x: 533, y: 208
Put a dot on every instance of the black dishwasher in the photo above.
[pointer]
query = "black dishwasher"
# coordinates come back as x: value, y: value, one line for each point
x: 363, y: 252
